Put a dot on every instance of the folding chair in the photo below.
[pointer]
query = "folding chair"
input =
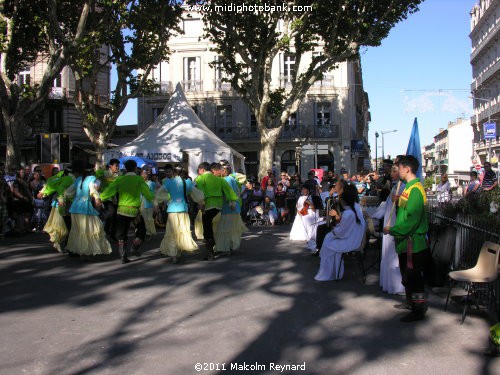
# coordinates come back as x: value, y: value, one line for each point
x: 359, y: 253
x: 484, y: 272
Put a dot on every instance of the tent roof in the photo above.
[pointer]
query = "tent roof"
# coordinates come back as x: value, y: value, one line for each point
x: 176, y: 129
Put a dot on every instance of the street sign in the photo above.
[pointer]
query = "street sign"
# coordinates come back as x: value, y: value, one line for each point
x: 307, y: 151
x: 490, y: 130
x: 308, y: 147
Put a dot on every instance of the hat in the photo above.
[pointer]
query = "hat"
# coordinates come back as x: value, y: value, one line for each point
x: 343, y: 170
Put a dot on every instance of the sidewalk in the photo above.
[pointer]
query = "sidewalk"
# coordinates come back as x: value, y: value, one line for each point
x: 245, y: 314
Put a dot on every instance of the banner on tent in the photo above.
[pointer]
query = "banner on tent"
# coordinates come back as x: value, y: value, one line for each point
x: 156, y: 156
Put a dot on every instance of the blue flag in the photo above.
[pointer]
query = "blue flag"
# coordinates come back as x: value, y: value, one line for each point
x: 414, y: 147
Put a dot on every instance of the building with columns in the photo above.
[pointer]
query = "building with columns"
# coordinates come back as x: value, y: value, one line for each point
x: 334, y: 114
x: 485, y: 87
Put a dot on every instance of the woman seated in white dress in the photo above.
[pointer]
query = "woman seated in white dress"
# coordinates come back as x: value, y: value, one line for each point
x: 304, y: 225
x: 345, y: 236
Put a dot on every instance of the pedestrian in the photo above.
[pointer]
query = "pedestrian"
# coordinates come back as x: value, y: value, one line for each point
x: 443, y: 189
x: 129, y: 188
x: 110, y: 206
x: 87, y: 236
x: 410, y: 235
x: 473, y: 186
x: 490, y: 180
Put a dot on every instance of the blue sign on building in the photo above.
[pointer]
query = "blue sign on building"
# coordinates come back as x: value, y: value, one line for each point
x: 490, y: 130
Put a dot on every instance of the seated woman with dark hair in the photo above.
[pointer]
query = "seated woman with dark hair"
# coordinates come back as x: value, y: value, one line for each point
x: 345, y: 236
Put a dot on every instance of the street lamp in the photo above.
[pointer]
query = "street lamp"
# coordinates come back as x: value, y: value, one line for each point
x: 376, y: 148
x: 386, y: 132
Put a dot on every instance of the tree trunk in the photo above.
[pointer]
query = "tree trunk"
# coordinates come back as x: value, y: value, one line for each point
x: 14, y: 131
x: 268, y: 139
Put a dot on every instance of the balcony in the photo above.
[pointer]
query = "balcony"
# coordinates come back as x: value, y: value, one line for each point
x: 310, y: 131
x: 192, y: 85
x: 164, y: 88
x: 57, y: 93
x: 236, y: 133
x: 220, y: 85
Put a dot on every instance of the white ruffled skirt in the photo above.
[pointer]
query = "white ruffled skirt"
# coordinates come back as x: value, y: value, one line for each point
x: 178, y: 236
x: 56, y: 228
x: 87, y: 236
x: 228, y: 233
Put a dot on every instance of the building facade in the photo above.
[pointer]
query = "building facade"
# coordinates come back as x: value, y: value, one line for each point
x: 485, y: 87
x: 333, y: 116
x: 450, y: 152
x: 59, y: 114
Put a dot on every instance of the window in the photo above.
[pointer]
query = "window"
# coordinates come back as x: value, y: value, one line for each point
x: 224, y: 118
x: 24, y: 78
x: 323, y: 114
x: 156, y: 113
x: 58, y: 81
x: 219, y: 84
x: 56, y: 121
x: 192, y: 75
x: 291, y: 123
x: 253, y: 123
x: 288, y: 66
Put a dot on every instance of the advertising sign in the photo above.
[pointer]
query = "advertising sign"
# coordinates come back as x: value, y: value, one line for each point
x: 490, y: 130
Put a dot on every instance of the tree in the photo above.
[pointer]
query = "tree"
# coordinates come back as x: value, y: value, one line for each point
x: 31, y: 32
x: 249, y: 40
x: 136, y: 33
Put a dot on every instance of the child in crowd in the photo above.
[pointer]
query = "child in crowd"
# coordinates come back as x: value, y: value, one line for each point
x: 280, y: 201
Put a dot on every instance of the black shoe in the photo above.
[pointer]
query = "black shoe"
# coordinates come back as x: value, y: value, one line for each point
x: 413, y: 316
x: 403, y: 306
x: 73, y: 255
x: 125, y: 260
x: 315, y: 254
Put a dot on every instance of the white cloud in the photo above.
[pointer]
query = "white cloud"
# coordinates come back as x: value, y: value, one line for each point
x: 440, y: 101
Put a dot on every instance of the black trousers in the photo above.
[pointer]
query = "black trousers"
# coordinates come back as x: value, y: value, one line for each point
x: 109, y: 213
x: 207, y: 218
x: 123, y: 225
x: 414, y: 279
x: 321, y: 233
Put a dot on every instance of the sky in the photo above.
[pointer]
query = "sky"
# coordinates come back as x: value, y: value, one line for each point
x: 420, y: 70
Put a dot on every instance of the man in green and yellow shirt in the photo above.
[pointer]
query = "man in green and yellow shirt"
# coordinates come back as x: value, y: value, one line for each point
x: 215, y: 189
x: 410, y: 235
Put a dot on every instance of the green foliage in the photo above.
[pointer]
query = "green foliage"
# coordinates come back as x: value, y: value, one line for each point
x: 428, y: 182
x: 478, y: 207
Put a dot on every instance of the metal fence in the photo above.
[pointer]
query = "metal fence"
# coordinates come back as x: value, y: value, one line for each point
x: 471, y: 232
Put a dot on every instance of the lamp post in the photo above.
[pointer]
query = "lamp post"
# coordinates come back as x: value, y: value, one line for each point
x: 386, y: 132
x: 376, y: 149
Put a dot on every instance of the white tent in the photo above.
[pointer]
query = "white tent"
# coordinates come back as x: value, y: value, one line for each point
x: 179, y: 136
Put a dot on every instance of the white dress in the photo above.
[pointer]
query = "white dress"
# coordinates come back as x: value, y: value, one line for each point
x: 304, y: 227
x: 390, y: 275
x: 345, y: 236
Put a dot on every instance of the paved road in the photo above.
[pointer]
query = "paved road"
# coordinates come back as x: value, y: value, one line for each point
x: 61, y: 315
